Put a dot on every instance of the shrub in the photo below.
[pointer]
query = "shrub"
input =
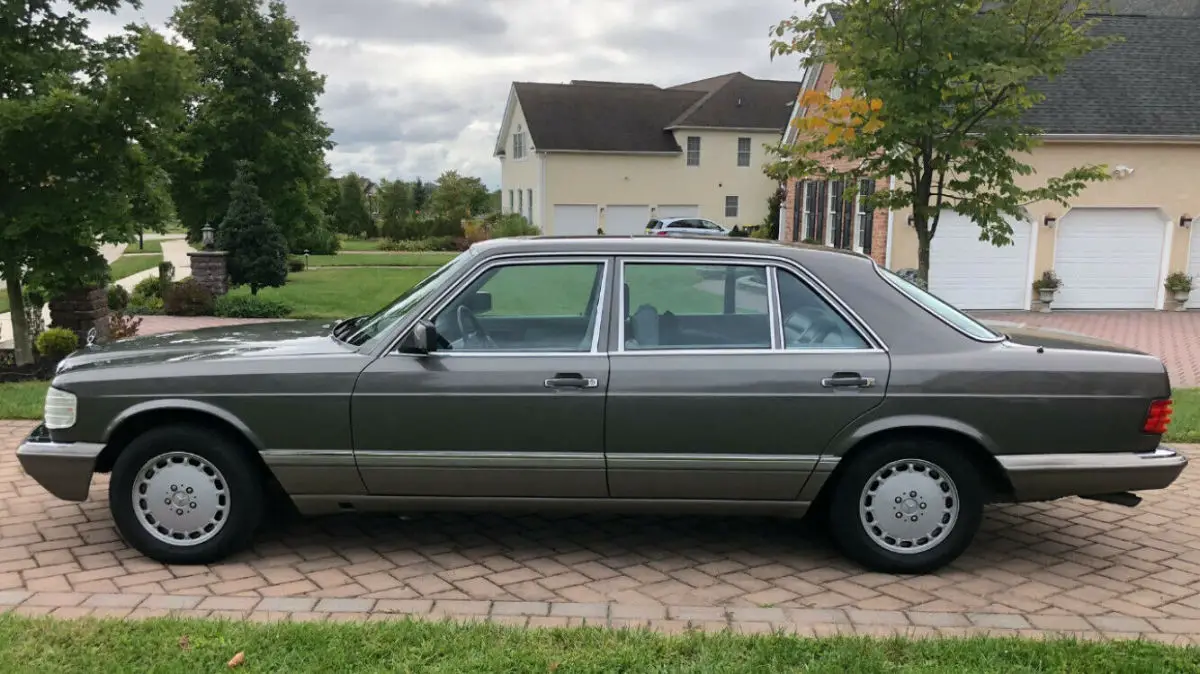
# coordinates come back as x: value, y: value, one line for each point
x: 188, y: 298
x: 147, y: 288
x: 475, y: 231
x: 166, y: 271
x: 426, y: 245
x: 57, y: 343
x: 761, y: 232
x: 35, y: 299
x: 295, y: 264
x: 145, y: 306
x: 122, y: 326
x: 512, y: 224
x: 118, y: 298
x: 251, y: 306
x: 1048, y: 281
x: 1178, y: 282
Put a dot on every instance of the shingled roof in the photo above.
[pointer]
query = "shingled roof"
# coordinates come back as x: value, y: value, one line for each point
x: 618, y: 117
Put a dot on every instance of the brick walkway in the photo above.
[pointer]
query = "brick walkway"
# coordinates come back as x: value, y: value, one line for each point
x: 1172, y: 336
x: 1078, y: 567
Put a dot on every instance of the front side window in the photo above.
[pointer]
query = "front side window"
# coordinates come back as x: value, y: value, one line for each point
x: 694, y: 306
x: 964, y: 323
x: 743, y: 155
x: 364, y: 329
x: 525, y: 308
x: 693, y: 151
x: 731, y: 207
x: 809, y: 322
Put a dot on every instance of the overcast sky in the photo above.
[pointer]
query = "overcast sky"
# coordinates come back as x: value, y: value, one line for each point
x: 415, y: 87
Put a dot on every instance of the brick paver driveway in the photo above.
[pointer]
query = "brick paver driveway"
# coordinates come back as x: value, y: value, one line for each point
x: 1071, y: 566
x: 1172, y: 336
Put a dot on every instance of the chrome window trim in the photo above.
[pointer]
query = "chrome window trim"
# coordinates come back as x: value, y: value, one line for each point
x: 509, y: 260
x: 996, y: 340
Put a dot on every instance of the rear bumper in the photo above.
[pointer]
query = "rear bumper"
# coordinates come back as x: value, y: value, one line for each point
x: 64, y: 469
x: 1042, y: 477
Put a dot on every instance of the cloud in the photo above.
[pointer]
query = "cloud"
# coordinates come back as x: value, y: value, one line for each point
x: 416, y: 87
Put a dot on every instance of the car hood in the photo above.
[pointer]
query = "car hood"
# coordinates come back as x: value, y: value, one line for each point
x: 1021, y: 333
x: 275, y: 339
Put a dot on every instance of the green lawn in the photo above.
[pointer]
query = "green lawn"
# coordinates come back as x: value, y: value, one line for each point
x: 1185, y: 422
x: 3, y: 305
x: 22, y: 400
x: 152, y: 246
x: 341, y: 293
x: 126, y: 265
x: 361, y: 244
x: 169, y: 645
x: 431, y: 259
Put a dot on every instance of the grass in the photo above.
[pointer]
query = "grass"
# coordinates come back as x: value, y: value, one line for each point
x: 126, y: 266
x: 22, y: 400
x: 341, y: 293
x: 430, y: 259
x: 361, y: 244
x: 3, y: 304
x: 1185, y: 422
x: 169, y: 645
x: 152, y: 246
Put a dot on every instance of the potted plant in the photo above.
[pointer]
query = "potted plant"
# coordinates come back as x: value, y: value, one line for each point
x: 1045, y: 287
x: 1179, y: 284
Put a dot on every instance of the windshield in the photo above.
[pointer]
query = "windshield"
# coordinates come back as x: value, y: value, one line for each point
x: 363, y: 329
x: 964, y: 323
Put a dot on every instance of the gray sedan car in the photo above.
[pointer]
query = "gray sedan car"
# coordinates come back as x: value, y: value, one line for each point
x: 636, y: 374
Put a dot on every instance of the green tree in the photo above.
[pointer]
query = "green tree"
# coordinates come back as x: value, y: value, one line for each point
x: 938, y: 95
x: 256, y: 245
x: 151, y: 206
x: 458, y: 197
x: 353, y: 212
x: 75, y: 115
x: 258, y: 103
x: 420, y: 195
x: 395, y: 208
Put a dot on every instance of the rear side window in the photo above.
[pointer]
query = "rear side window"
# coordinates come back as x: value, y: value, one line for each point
x: 680, y: 224
x: 654, y: 224
x: 931, y: 303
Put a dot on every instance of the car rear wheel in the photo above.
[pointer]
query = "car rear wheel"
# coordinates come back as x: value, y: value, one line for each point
x: 907, y: 506
x: 185, y: 495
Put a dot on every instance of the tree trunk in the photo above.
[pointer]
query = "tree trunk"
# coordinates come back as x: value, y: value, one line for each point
x: 923, y: 241
x: 141, y: 239
x: 22, y: 349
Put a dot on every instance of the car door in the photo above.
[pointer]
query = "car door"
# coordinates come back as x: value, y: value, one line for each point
x: 512, y: 403
x: 711, y: 398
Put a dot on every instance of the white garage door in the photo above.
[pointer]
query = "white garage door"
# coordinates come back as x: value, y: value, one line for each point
x: 974, y: 274
x: 626, y: 220
x: 1109, y: 258
x: 692, y: 211
x: 1194, y: 266
x: 575, y: 220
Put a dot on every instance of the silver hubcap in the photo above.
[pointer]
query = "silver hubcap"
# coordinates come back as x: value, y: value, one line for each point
x: 909, y: 506
x: 181, y: 498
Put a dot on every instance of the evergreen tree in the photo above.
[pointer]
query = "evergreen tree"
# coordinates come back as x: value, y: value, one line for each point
x: 256, y: 246
x: 421, y: 192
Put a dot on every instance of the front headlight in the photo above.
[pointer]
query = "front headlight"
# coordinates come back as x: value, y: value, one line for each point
x: 61, y: 408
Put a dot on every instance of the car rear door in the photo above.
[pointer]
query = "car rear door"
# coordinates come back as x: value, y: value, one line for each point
x: 710, y: 398
x: 514, y: 414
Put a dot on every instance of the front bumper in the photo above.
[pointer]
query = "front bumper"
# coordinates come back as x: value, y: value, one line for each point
x: 1043, y: 477
x: 64, y: 469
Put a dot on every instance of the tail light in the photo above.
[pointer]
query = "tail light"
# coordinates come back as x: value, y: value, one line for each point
x: 1158, y: 417
x: 661, y: 232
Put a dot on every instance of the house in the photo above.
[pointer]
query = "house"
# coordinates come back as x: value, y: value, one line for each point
x: 1133, y: 106
x: 584, y: 156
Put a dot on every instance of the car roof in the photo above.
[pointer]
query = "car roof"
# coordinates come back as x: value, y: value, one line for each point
x: 676, y: 245
x: 681, y: 217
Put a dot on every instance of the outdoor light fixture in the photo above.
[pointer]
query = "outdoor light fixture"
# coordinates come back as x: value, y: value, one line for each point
x: 206, y: 237
x: 1050, y: 220
x: 1185, y: 220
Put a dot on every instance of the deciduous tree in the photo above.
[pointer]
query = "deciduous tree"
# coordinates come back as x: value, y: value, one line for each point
x: 938, y: 92
x: 256, y: 246
x: 353, y: 214
x: 458, y: 197
x: 395, y: 208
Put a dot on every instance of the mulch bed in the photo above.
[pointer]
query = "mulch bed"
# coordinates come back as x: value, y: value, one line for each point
x: 41, y: 369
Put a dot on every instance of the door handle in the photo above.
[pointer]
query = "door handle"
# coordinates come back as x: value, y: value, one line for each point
x: 847, y: 380
x: 571, y: 380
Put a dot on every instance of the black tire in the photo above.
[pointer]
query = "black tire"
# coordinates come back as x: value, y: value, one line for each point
x: 851, y: 533
x: 242, y: 484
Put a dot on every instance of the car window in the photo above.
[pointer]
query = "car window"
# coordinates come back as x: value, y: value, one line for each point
x: 368, y: 328
x: 708, y: 224
x: 525, y: 307
x: 654, y: 224
x: 808, y: 320
x: 959, y: 320
x: 691, y: 306
x: 680, y: 224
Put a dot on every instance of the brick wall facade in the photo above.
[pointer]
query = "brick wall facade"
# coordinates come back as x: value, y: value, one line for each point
x: 80, y: 311
x: 209, y: 268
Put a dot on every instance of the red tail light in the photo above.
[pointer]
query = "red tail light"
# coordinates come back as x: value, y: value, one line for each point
x: 1158, y: 417
x: 661, y: 232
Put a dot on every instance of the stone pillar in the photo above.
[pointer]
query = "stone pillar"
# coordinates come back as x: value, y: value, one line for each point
x: 80, y: 311
x: 209, y: 268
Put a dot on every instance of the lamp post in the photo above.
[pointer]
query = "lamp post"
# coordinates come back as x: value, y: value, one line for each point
x: 206, y: 237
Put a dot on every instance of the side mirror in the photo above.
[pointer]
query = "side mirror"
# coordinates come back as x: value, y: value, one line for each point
x: 422, y: 339
x: 480, y: 303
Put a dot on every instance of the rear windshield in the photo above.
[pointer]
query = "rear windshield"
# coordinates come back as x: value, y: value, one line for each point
x: 654, y: 224
x: 962, y: 322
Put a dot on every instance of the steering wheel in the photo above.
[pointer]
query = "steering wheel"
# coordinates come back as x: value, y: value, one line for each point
x: 476, y: 336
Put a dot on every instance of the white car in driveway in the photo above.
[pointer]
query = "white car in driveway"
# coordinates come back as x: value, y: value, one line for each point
x: 681, y: 226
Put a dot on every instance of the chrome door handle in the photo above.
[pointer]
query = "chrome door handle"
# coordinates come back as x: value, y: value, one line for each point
x: 847, y: 380
x: 571, y: 381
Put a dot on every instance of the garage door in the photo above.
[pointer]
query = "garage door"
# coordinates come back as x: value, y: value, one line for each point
x: 575, y: 220
x: 974, y: 274
x: 1109, y: 258
x: 692, y: 211
x: 626, y: 220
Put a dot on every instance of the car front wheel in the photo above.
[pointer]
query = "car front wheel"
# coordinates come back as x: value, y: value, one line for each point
x: 185, y: 495
x: 907, y: 506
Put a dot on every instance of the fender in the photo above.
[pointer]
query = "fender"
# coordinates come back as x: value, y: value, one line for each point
x: 853, y: 435
x: 169, y: 404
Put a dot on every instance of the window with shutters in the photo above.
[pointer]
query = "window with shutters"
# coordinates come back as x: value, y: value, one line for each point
x: 866, y: 216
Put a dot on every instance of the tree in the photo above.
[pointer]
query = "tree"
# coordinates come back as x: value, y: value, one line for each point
x: 256, y: 246
x: 420, y: 195
x: 940, y: 91
x: 353, y: 214
x: 258, y: 103
x: 458, y: 197
x: 76, y: 118
x: 395, y: 208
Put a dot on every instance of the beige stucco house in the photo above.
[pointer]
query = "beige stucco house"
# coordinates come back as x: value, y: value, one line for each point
x: 587, y: 156
x: 1133, y: 106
